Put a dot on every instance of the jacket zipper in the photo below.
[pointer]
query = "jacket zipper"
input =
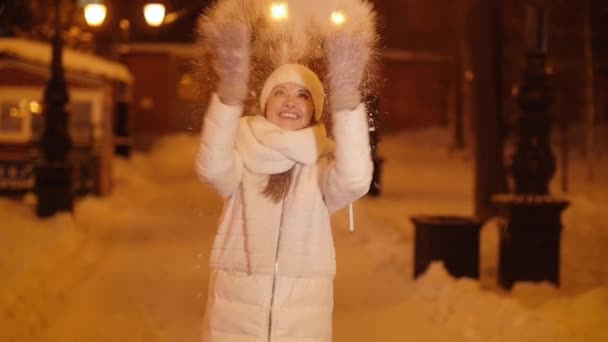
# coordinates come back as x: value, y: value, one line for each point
x: 276, y: 270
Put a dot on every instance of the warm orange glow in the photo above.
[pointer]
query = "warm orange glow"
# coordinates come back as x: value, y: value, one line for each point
x: 35, y: 107
x: 124, y: 24
x: 278, y: 11
x: 338, y: 18
x: 95, y: 14
x: 14, y: 112
x: 154, y: 14
x: 469, y: 75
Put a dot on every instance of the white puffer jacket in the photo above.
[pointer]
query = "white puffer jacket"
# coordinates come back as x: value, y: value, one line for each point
x: 273, y: 264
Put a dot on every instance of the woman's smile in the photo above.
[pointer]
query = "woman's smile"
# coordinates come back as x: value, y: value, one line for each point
x: 290, y: 107
x: 290, y: 115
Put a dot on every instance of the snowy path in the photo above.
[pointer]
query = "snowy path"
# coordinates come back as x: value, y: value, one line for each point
x: 150, y: 281
x: 146, y: 287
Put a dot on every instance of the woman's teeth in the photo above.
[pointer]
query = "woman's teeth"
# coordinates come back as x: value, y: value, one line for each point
x: 286, y: 115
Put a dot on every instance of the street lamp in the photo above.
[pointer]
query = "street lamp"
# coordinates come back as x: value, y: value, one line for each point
x: 95, y: 13
x: 154, y: 13
x: 53, y: 184
x: 529, y: 247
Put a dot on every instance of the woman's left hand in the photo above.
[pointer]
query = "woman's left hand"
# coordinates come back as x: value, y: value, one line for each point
x: 347, y: 55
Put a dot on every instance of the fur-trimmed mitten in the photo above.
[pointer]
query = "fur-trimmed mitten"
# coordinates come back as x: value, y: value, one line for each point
x: 229, y: 44
x: 347, y: 57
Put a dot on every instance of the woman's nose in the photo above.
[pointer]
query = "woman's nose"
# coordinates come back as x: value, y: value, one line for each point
x: 289, y: 102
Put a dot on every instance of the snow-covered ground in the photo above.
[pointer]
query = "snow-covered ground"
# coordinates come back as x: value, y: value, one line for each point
x: 133, y: 266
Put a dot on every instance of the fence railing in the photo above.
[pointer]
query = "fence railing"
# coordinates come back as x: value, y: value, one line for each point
x: 17, y: 164
x: 16, y: 177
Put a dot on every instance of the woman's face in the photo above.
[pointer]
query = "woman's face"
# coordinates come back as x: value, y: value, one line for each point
x: 290, y: 107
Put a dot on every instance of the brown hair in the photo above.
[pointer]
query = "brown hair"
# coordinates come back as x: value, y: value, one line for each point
x: 278, y: 184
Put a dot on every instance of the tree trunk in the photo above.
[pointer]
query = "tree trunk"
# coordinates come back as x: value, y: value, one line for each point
x: 589, y: 93
x: 485, y: 34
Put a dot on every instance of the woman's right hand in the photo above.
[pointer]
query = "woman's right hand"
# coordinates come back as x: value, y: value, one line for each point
x: 229, y: 44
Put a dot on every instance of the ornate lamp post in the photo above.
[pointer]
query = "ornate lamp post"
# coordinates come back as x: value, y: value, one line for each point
x: 530, y: 238
x: 53, y: 184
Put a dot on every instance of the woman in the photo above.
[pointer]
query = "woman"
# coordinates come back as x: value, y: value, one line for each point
x: 273, y: 261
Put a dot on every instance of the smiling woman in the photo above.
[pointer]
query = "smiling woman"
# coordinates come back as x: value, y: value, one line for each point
x: 290, y: 106
x: 273, y: 259
x: 292, y: 97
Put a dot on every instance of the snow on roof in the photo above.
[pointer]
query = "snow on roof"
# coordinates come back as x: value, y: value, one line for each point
x: 178, y: 50
x: 40, y: 52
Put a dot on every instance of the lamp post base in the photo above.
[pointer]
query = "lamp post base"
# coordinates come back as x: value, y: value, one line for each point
x: 122, y: 146
x: 529, y: 238
x: 53, y: 187
x: 123, y: 151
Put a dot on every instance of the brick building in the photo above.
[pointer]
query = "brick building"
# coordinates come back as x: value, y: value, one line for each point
x: 425, y: 65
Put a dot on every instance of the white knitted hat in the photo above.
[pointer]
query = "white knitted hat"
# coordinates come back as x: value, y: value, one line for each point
x: 300, y: 75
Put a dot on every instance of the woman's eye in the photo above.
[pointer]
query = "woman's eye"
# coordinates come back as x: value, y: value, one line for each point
x: 303, y: 96
x: 279, y: 92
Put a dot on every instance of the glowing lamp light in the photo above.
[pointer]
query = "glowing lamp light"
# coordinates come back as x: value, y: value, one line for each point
x: 35, y: 107
x: 124, y: 24
x: 14, y: 112
x: 154, y: 14
x: 278, y: 11
x: 95, y: 14
x: 338, y: 18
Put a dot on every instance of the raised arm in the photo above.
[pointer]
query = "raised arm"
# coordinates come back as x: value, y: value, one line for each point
x: 217, y: 161
x: 349, y: 175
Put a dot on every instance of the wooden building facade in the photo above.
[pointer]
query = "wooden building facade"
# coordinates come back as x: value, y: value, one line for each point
x: 93, y: 87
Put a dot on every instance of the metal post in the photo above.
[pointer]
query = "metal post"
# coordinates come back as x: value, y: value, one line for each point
x: 122, y: 134
x: 533, y: 164
x: 54, y: 175
x: 530, y: 236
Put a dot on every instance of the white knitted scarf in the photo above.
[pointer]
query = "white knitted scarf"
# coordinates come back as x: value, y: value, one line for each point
x: 267, y: 149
